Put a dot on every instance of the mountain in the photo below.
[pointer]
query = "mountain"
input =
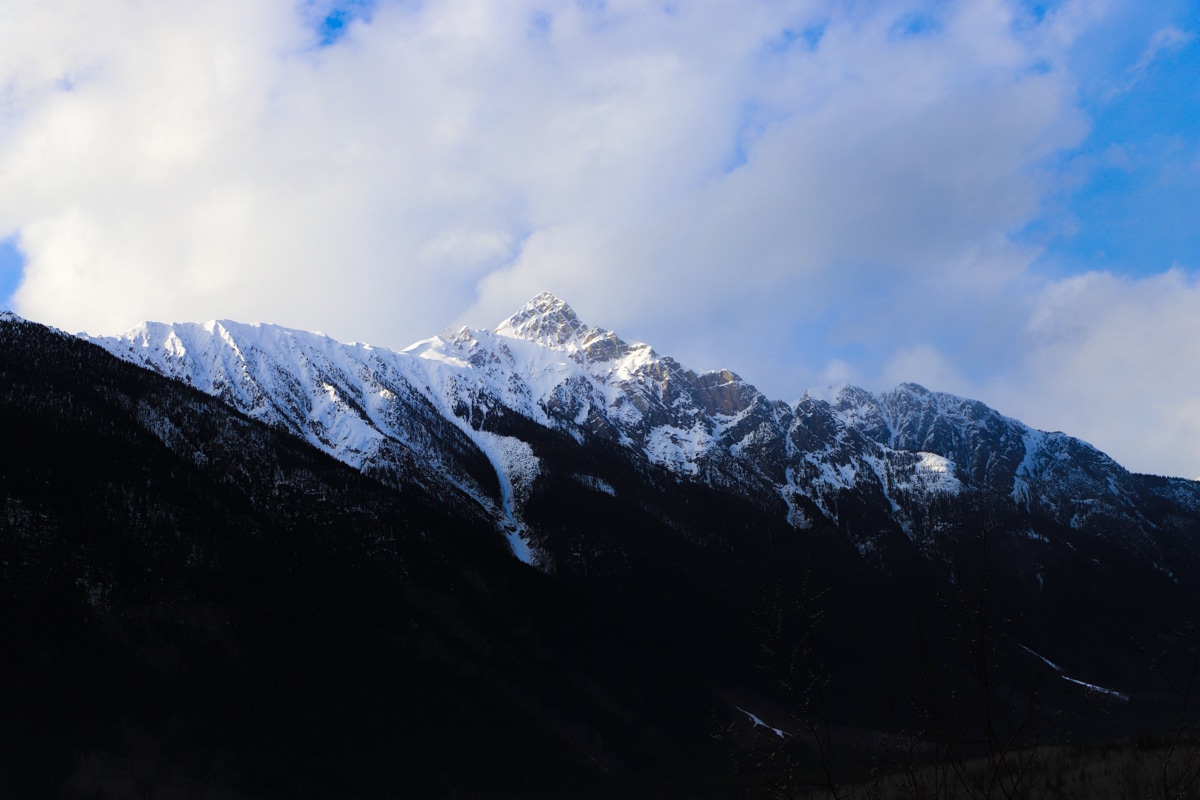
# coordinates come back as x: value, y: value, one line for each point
x: 246, y: 561
x: 439, y: 414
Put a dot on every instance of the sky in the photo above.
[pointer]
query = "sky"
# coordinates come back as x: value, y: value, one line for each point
x: 995, y: 198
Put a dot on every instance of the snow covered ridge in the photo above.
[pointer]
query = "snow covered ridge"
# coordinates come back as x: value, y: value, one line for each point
x: 422, y: 415
x: 10, y: 317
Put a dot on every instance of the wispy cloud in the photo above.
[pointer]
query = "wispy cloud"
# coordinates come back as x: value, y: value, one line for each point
x: 1164, y: 41
x: 1108, y: 358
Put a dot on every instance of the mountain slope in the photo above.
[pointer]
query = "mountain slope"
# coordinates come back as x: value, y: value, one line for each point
x: 199, y: 603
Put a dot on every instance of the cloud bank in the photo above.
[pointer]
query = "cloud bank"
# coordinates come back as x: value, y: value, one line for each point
x: 807, y: 192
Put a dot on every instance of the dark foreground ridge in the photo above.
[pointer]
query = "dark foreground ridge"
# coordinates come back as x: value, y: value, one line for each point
x: 196, y: 604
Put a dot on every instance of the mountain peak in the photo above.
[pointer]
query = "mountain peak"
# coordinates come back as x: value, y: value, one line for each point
x: 546, y: 320
x: 548, y: 300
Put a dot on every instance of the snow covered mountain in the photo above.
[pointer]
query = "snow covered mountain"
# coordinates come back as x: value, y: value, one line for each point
x: 908, y: 460
x: 166, y: 557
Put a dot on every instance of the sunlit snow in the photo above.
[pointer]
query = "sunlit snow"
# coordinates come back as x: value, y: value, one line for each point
x: 369, y: 406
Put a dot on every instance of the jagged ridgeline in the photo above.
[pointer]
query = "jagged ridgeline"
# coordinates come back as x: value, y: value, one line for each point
x: 256, y: 562
x: 455, y: 414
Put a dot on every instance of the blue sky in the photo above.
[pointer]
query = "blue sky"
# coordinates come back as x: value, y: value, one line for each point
x: 1136, y: 183
x: 11, y: 266
x: 333, y: 22
x: 995, y: 198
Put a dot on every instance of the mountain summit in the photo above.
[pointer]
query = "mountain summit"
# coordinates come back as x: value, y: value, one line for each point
x: 545, y: 320
x: 550, y: 322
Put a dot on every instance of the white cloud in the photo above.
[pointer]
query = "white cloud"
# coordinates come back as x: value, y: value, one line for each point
x: 798, y: 190
x: 1111, y: 360
x: 233, y: 167
x: 925, y: 365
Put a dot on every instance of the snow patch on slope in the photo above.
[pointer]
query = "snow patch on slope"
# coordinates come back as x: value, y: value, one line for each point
x: 678, y: 449
x: 756, y: 721
x: 517, y: 468
x: 595, y: 484
x: 1026, y: 475
x: 1091, y: 687
x: 936, y: 474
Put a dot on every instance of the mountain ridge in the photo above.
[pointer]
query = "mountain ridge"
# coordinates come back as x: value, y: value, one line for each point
x: 422, y: 414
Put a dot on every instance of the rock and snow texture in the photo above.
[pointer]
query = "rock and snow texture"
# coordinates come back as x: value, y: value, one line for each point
x: 426, y: 414
x: 365, y: 406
